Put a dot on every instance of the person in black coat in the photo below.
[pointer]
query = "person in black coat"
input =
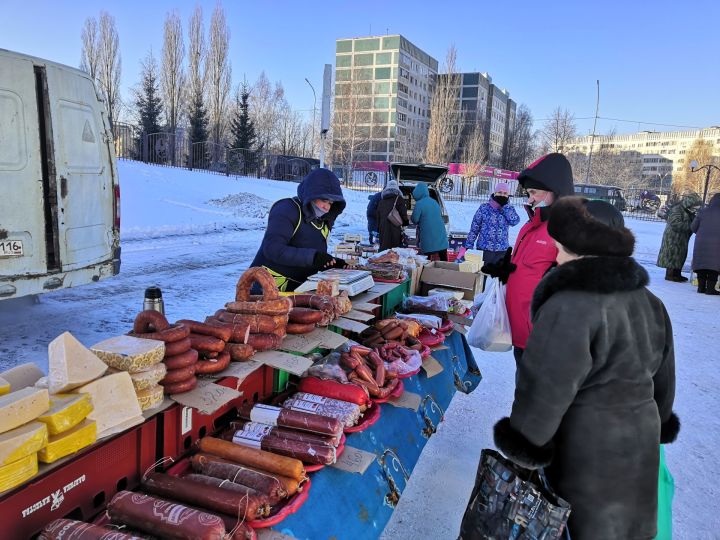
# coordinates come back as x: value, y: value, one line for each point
x: 706, y: 254
x: 295, y: 242
x: 391, y: 234
x: 596, y: 383
x: 373, y: 201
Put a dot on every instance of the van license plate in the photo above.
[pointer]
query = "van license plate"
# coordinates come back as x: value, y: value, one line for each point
x: 11, y: 248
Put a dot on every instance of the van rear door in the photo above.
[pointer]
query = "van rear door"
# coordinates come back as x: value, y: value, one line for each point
x: 22, y: 220
x: 84, y: 169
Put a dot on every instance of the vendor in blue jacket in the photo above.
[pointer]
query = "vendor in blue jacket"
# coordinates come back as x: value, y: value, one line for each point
x: 432, y: 236
x: 295, y: 242
x: 490, y: 226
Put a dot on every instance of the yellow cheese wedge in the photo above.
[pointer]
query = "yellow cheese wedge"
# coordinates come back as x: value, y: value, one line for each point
x: 17, y: 472
x: 66, y: 411
x: 22, y: 376
x: 4, y: 387
x: 148, y: 377
x: 150, y: 397
x: 22, y: 441
x: 129, y: 353
x: 21, y: 407
x: 114, y: 402
x: 71, y: 364
x: 73, y: 440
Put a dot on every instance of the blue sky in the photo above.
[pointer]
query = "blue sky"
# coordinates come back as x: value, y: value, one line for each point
x: 656, y: 61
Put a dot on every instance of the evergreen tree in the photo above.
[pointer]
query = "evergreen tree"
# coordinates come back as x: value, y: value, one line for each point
x: 147, y: 98
x: 197, y: 115
x: 242, y: 128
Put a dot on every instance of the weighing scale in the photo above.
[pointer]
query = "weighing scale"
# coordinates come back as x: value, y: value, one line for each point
x: 352, y: 281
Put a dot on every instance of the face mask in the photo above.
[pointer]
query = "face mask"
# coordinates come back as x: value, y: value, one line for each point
x: 319, y: 212
x: 541, y: 204
x: 502, y: 200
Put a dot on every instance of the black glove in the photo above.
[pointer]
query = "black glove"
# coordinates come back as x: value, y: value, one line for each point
x: 323, y: 261
x: 501, y: 269
x: 340, y: 263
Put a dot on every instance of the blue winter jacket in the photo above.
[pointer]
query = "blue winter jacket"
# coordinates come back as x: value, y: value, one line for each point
x: 428, y: 216
x: 294, y: 235
x: 489, y: 229
x: 372, y: 207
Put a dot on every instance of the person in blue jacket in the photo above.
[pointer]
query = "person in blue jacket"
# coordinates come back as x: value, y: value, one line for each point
x: 490, y: 225
x: 432, y: 236
x: 372, y: 207
x: 295, y: 242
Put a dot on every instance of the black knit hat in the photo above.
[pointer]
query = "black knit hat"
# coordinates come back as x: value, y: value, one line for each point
x: 587, y: 227
x: 551, y: 172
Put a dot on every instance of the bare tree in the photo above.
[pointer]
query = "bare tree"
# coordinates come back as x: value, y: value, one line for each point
x: 218, y: 72
x: 610, y: 167
x: 291, y: 130
x: 445, y: 114
x: 90, y: 50
x: 685, y: 180
x: 266, y: 104
x: 172, y: 76
x: 196, y: 53
x: 109, y: 66
x: 411, y: 146
x: 351, y: 125
x: 557, y: 131
x: 520, y: 145
x: 475, y: 152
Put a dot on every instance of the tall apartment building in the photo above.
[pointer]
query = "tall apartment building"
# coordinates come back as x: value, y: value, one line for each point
x: 662, y: 153
x: 383, y: 88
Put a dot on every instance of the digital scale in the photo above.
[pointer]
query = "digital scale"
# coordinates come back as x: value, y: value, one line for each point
x: 352, y: 281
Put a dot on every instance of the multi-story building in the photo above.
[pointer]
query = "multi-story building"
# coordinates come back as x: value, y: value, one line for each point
x: 662, y: 153
x: 383, y: 87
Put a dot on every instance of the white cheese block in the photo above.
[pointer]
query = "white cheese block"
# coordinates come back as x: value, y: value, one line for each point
x: 22, y: 376
x: 22, y: 441
x: 21, y: 407
x: 129, y: 353
x: 71, y: 364
x: 114, y: 402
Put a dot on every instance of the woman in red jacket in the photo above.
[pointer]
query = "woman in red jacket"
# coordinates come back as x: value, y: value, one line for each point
x: 545, y: 181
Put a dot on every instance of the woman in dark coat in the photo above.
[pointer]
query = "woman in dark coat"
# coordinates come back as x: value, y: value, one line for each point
x: 596, y: 382
x: 674, y: 247
x: 391, y: 234
x: 706, y: 254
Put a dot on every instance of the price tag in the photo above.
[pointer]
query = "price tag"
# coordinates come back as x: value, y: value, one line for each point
x: 186, y: 420
x: 431, y: 366
x: 354, y: 460
x: 297, y: 365
x: 461, y: 328
x: 408, y: 400
x: 301, y: 343
x: 240, y: 370
x: 365, y: 306
x: 207, y: 397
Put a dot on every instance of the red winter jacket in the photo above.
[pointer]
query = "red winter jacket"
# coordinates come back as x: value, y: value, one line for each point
x: 534, y: 254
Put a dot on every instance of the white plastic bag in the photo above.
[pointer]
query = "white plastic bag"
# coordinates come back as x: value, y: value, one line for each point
x: 490, y: 330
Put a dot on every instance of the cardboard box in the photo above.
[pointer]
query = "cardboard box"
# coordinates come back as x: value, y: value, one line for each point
x: 449, y: 276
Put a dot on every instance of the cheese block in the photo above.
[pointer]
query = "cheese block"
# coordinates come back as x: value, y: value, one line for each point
x: 21, y: 407
x: 17, y: 472
x: 71, y: 364
x: 129, y: 353
x: 64, y: 444
x: 42, y: 382
x: 4, y: 387
x: 22, y: 441
x: 150, y: 397
x: 66, y: 411
x: 114, y: 402
x: 148, y: 377
x: 22, y: 376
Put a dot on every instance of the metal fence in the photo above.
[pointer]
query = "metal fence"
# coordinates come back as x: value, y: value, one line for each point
x: 644, y: 204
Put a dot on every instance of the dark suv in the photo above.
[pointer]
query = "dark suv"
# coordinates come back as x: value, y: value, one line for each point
x: 610, y: 194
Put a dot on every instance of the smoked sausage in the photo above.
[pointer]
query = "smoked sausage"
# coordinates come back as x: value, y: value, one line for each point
x: 259, y: 275
x: 239, y: 352
x: 172, y: 333
x: 213, y: 366
x: 295, y: 328
x: 259, y: 324
x: 180, y: 387
x: 150, y: 320
x: 206, y: 343
x: 178, y: 375
x: 69, y: 529
x: 182, y: 360
x: 177, y: 347
x: 239, y: 331
x: 264, y: 342
x: 300, y: 315
x: 197, y: 327
x: 280, y: 306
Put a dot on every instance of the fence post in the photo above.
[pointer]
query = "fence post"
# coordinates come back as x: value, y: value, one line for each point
x: 462, y: 189
x: 145, y: 147
x: 227, y: 163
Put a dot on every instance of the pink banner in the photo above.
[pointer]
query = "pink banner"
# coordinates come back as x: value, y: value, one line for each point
x: 484, y: 170
x: 377, y: 166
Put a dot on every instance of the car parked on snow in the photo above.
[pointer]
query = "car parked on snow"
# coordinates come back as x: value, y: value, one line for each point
x: 610, y: 194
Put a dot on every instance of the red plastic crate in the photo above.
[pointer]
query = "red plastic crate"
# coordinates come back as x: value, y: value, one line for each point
x: 82, y: 486
x: 179, y: 426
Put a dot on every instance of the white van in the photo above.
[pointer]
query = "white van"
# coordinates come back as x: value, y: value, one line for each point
x: 59, y: 191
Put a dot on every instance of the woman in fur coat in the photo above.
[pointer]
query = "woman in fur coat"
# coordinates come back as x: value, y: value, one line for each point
x: 596, y: 383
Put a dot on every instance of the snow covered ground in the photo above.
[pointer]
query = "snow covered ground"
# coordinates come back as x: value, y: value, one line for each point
x: 194, y: 233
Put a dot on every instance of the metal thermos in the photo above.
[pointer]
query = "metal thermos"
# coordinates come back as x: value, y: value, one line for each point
x: 153, y: 299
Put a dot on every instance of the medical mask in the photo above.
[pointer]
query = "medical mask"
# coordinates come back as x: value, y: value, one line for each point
x: 319, y: 212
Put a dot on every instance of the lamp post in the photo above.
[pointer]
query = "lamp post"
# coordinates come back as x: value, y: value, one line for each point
x: 709, y: 167
x: 314, y: 109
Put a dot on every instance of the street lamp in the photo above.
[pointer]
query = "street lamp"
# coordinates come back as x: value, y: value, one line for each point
x: 709, y: 167
x: 314, y: 109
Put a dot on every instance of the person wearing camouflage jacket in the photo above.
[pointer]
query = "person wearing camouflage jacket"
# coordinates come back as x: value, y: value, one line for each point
x: 674, y: 247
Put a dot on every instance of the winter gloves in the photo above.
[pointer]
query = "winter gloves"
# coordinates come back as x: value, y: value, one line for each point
x: 323, y: 261
x: 461, y: 253
x: 501, y: 269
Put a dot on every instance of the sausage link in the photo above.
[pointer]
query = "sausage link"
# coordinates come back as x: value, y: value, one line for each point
x: 177, y: 347
x: 178, y: 375
x: 181, y: 360
x: 264, y: 342
x: 150, y: 320
x: 172, y: 333
x: 239, y: 331
x: 197, y: 327
x: 259, y: 275
x: 301, y: 315
x: 280, y: 306
x: 239, y: 352
x: 180, y: 387
x: 297, y: 328
x: 206, y: 343
x: 213, y: 366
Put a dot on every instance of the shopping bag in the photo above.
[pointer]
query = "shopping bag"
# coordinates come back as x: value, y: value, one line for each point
x: 666, y: 490
x: 507, y: 504
x: 394, y: 216
x: 490, y: 330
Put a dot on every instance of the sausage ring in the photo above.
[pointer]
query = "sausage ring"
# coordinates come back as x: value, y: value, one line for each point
x: 177, y: 361
x: 209, y: 366
x: 197, y: 327
x: 178, y: 375
x: 279, y: 306
x: 206, y: 343
x: 239, y: 352
x: 173, y: 333
x: 177, y: 347
x: 259, y: 275
x: 300, y: 315
x: 180, y: 387
x: 148, y: 321
x: 299, y: 328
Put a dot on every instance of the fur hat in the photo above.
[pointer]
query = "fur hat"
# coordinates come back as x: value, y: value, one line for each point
x: 587, y: 227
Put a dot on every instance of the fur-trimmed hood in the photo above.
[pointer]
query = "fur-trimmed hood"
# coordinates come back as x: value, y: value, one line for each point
x: 604, y: 275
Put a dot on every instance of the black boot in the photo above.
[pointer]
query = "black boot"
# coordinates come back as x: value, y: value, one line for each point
x: 678, y: 276
x: 673, y: 274
x: 702, y: 284
x: 710, y: 288
x: 669, y: 274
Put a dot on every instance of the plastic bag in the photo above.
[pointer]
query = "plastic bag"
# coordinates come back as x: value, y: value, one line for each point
x: 428, y: 321
x: 432, y: 303
x: 490, y: 330
x: 328, y: 368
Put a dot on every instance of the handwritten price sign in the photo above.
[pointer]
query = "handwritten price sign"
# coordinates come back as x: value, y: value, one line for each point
x: 207, y: 397
x: 354, y: 460
x: 297, y: 365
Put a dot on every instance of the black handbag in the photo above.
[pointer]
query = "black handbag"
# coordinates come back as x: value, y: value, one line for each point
x: 507, y: 504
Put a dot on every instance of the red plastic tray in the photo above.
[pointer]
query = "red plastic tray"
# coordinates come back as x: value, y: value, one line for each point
x: 372, y: 414
x: 338, y: 452
x: 431, y: 340
x: 80, y: 486
x: 399, y: 389
x: 447, y: 326
x: 380, y: 280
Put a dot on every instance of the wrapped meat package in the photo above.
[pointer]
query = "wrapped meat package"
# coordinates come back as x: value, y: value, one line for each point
x: 348, y: 413
x: 276, y: 416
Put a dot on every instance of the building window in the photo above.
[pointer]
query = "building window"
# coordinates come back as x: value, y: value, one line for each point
x: 363, y: 74
x: 382, y: 88
x: 469, y: 92
x: 343, y: 60
x: 343, y: 46
x: 391, y: 42
x: 342, y: 75
x: 382, y: 73
x: 383, y: 58
x: 363, y: 45
x: 381, y: 103
x: 363, y: 59
x: 380, y: 117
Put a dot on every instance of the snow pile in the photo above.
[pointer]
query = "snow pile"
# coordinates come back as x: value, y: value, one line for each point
x: 244, y: 204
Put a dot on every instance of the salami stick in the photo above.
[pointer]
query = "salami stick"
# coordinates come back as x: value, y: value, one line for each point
x: 314, y: 423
